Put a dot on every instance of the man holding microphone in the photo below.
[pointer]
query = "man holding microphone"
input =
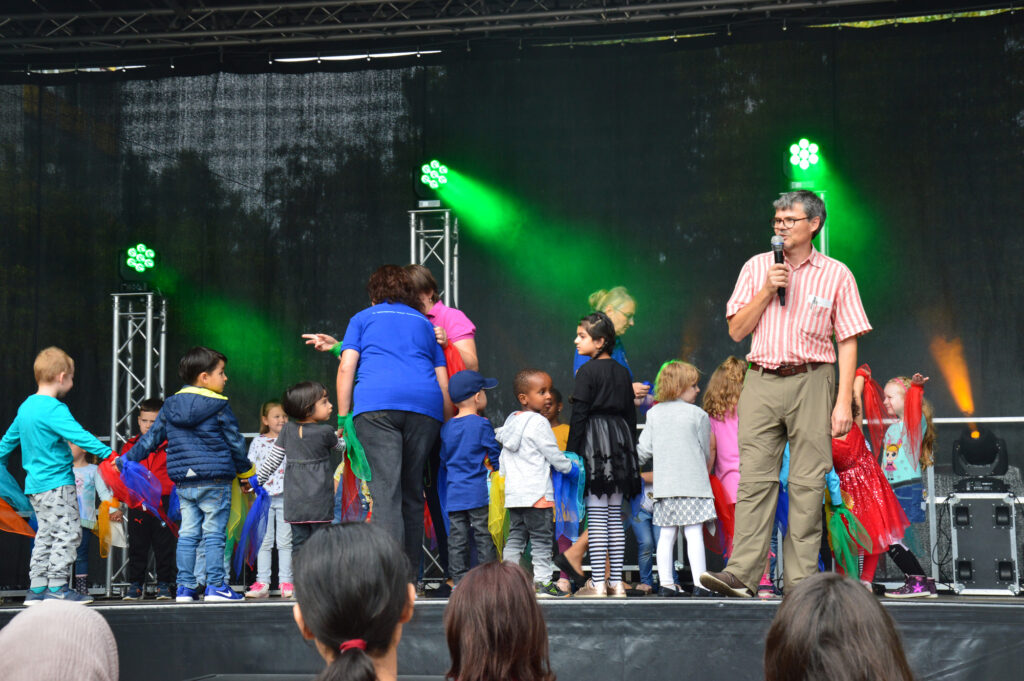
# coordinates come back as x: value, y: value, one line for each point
x: 789, y: 393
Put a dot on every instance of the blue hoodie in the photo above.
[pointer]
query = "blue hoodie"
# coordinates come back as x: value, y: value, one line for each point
x: 203, y: 438
x: 41, y: 428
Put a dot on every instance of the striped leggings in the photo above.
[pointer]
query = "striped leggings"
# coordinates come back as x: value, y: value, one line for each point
x: 607, y: 536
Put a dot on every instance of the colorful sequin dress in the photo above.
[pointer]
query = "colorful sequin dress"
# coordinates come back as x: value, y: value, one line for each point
x: 866, y: 491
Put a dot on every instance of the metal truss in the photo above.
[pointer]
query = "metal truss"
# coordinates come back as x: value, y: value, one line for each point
x: 44, y: 29
x: 434, y: 243
x: 139, y: 333
x: 139, y: 349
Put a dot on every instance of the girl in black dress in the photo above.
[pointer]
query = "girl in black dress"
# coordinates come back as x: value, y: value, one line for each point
x: 602, y: 431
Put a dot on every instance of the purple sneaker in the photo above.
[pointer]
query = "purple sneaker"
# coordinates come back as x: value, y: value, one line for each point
x: 915, y: 587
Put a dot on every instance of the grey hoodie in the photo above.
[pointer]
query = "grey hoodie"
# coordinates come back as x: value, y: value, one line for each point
x: 528, y: 451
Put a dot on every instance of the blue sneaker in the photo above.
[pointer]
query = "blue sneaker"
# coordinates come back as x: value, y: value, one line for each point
x: 163, y: 592
x: 66, y: 594
x: 133, y: 592
x: 222, y: 593
x: 33, y: 597
x: 186, y: 595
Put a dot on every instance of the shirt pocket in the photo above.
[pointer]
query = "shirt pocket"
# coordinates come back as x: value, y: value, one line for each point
x: 816, y: 322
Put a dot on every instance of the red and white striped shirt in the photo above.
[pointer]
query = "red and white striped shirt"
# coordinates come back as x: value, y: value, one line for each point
x: 821, y: 300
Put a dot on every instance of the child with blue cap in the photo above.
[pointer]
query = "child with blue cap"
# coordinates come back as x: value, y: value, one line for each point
x: 468, y: 452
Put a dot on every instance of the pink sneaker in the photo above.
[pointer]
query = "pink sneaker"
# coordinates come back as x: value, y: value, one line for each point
x: 765, y: 589
x: 258, y: 590
x: 287, y: 590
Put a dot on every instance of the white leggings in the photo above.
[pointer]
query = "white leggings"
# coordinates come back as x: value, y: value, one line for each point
x: 694, y: 535
x: 607, y: 536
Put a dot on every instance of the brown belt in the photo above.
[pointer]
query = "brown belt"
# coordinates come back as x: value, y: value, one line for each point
x: 787, y: 370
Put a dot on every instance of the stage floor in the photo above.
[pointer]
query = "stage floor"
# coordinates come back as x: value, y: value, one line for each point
x: 949, y: 638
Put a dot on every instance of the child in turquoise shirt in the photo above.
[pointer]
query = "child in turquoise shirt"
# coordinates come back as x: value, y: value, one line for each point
x: 43, y: 428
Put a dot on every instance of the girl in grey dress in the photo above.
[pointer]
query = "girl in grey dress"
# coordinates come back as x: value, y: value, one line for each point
x: 677, y: 436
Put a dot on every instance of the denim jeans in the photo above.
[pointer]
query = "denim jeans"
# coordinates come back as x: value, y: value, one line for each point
x: 645, y: 532
x: 82, y: 558
x: 468, y: 528
x: 279, y: 532
x: 204, y: 513
x: 397, y: 443
x: 536, y: 526
x: 364, y: 503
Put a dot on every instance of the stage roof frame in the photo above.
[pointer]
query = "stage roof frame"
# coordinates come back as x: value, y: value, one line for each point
x: 62, y: 34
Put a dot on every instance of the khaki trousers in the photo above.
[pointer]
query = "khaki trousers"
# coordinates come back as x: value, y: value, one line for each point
x: 773, y: 409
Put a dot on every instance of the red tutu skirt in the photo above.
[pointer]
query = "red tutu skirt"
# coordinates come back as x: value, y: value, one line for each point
x: 866, y: 491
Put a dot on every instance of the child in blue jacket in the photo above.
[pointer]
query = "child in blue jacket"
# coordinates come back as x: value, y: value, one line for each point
x: 205, y: 451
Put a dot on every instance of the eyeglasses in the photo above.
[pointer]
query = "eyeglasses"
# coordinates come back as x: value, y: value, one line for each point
x: 629, y: 317
x: 788, y: 222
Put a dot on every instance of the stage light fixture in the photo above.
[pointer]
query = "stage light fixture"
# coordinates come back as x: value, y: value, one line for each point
x: 980, y: 459
x: 434, y: 174
x: 140, y: 258
x: 804, y: 154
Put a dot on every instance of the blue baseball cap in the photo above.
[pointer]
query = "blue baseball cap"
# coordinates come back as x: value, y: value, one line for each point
x: 466, y: 383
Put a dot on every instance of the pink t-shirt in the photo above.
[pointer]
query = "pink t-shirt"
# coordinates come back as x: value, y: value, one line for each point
x: 455, y: 323
x: 727, y: 457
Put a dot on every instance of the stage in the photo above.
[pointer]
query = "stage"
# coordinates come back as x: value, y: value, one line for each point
x: 949, y: 638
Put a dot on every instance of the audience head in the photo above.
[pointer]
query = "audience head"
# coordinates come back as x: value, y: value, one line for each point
x: 532, y: 388
x: 391, y: 284
x: 57, y: 640
x: 495, y: 628
x: 830, y: 628
x: 677, y: 380
x: 617, y: 304
x: 597, y: 328
x: 723, y: 390
x: 353, y: 596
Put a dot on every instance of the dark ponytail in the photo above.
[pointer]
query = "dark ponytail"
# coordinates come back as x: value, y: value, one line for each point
x: 351, y: 583
x: 350, y: 665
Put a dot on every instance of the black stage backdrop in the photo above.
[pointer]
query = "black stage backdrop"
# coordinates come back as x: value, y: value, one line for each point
x: 271, y: 198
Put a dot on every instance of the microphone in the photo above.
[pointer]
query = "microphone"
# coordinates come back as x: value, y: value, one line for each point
x: 777, y: 242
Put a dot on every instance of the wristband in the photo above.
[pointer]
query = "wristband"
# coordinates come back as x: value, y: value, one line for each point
x: 336, y: 349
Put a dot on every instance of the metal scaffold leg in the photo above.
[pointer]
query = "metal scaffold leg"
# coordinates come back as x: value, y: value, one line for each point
x: 434, y: 243
x: 137, y: 373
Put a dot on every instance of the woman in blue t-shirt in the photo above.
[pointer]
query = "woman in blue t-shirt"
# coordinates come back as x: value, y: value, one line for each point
x: 392, y: 376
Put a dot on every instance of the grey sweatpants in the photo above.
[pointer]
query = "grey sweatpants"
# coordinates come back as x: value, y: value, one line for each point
x: 57, y: 537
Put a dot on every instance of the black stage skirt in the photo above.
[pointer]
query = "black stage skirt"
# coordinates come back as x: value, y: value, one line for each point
x: 609, y: 455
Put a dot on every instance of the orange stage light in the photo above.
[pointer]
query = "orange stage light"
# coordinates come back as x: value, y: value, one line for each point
x: 949, y: 355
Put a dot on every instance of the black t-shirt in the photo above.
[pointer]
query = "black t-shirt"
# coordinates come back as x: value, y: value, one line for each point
x: 603, y: 386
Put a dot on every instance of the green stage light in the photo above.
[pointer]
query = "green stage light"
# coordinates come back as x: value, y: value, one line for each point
x: 804, y: 154
x: 434, y: 174
x: 140, y: 258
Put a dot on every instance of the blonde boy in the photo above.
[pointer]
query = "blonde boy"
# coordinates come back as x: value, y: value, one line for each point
x: 43, y: 428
